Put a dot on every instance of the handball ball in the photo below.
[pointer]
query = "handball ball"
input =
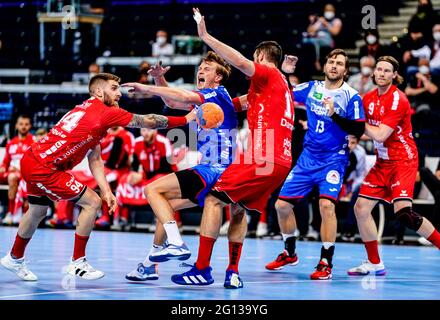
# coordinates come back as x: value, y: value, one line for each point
x: 210, y: 115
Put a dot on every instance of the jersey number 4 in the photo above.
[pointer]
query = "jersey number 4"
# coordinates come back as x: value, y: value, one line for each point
x: 71, y: 120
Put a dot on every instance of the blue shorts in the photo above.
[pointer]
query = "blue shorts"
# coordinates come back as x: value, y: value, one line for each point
x: 311, y: 172
x: 197, y: 182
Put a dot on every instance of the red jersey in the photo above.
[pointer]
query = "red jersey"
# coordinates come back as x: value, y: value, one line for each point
x: 127, y: 147
x: 15, y: 149
x: 152, y: 156
x: 79, y: 131
x: 270, y: 116
x: 393, y: 110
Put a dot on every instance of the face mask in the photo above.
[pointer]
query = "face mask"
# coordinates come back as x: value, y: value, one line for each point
x: 424, y: 69
x: 161, y: 40
x: 436, y: 36
x: 371, y: 39
x: 366, y: 71
x: 329, y: 15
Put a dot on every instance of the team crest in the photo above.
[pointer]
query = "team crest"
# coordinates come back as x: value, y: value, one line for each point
x: 333, y: 177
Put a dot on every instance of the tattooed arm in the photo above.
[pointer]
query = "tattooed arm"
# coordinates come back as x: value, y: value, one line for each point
x: 156, y: 121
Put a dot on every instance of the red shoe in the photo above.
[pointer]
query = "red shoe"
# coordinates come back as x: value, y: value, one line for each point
x: 323, y: 272
x: 282, y: 260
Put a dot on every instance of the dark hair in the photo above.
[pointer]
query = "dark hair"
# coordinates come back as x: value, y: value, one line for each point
x: 223, y: 68
x: 391, y: 60
x: 339, y: 52
x: 25, y: 116
x: 272, y: 50
x: 101, y: 77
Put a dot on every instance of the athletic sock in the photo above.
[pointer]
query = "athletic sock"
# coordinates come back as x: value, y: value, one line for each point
x: 327, y: 251
x: 289, y: 243
x: 154, y: 248
x: 19, y: 246
x: 435, y: 238
x: 79, y: 249
x: 205, y: 251
x: 234, y: 255
x: 173, y: 233
x: 372, y: 251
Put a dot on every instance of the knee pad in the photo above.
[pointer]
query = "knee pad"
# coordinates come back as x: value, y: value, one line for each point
x: 409, y: 218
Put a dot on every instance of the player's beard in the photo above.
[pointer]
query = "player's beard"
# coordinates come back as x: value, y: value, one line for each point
x: 109, y: 102
x: 335, y: 78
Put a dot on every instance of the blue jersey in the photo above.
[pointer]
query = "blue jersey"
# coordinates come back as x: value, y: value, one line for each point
x: 324, y: 138
x: 217, y: 146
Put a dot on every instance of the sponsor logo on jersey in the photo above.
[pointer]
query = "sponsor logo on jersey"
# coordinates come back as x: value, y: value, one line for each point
x: 333, y: 177
x: 210, y: 95
x: 395, y: 184
x: 317, y: 95
x: 333, y: 189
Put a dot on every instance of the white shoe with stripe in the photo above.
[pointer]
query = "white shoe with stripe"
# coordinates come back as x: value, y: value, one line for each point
x: 82, y: 269
x: 19, y: 267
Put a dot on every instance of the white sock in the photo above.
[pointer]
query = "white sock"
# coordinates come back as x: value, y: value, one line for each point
x: 287, y: 235
x: 327, y: 245
x: 154, y: 248
x: 173, y: 233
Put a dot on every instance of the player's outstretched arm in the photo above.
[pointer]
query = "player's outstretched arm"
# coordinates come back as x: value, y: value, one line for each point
x: 228, y: 53
x: 97, y: 168
x: 157, y: 72
x: 185, y: 98
x: 157, y: 121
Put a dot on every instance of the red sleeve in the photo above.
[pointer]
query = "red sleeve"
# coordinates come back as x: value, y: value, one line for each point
x: 393, y: 115
x: 113, y: 117
x: 200, y: 95
x: 237, y: 104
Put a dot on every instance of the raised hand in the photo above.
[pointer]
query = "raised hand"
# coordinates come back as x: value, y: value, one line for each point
x: 289, y: 64
x: 200, y: 20
x: 135, y: 87
x: 158, y: 70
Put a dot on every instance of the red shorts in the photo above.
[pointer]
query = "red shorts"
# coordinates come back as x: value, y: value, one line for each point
x: 43, y: 181
x: 251, y: 185
x: 390, y: 181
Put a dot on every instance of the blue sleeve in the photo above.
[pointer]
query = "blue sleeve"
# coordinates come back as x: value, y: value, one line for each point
x: 355, y: 108
x: 301, y: 91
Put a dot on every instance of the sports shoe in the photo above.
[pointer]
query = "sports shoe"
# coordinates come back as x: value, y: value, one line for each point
x: 323, y: 271
x: 7, y: 220
x: 142, y: 273
x: 224, y: 228
x: 171, y: 252
x: 103, y: 223
x: 368, y: 268
x: 262, y: 229
x: 19, y: 267
x: 424, y: 242
x: 81, y: 268
x: 282, y: 260
x: 232, y: 280
x: 194, y: 277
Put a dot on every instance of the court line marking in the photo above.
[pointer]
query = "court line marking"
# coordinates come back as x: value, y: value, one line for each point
x: 358, y: 279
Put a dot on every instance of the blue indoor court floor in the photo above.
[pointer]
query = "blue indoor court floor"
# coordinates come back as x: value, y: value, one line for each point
x: 413, y: 272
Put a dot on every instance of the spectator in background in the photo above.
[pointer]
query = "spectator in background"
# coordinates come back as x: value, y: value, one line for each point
x: 372, y: 46
x: 40, y: 133
x: 94, y: 69
x: 144, y: 77
x: 161, y: 47
x: 424, y: 18
x: 10, y: 168
x: 322, y: 31
x: 416, y: 47
x: 151, y: 160
x: 362, y: 81
x: 434, y: 63
x: 422, y: 88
